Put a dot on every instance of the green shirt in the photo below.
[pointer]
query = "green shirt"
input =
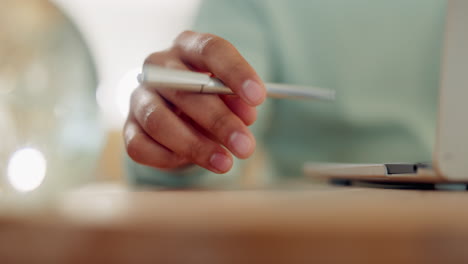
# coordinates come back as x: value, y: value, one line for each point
x: 382, y: 58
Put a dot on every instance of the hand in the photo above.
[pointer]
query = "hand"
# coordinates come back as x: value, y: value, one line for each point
x: 173, y: 129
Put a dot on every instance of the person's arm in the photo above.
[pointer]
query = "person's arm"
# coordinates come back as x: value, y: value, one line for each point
x: 167, y: 133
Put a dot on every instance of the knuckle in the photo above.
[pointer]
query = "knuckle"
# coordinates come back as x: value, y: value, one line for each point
x: 182, y: 39
x: 237, y: 66
x: 134, y: 149
x: 179, y: 96
x: 135, y: 96
x: 220, y: 122
x: 196, y: 150
x: 209, y: 44
x: 184, y: 34
x: 238, y: 70
x: 203, y: 44
x: 153, y: 117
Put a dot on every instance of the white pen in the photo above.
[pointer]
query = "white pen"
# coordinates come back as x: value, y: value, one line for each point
x: 159, y: 77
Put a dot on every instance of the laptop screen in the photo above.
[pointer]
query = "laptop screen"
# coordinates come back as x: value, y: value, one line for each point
x: 451, y: 153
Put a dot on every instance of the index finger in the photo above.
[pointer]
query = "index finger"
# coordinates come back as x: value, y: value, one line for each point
x: 214, y: 54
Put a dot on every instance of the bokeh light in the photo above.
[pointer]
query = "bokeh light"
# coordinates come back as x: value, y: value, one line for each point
x: 26, y: 169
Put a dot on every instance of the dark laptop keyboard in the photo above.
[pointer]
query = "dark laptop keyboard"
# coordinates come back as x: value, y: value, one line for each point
x: 405, y: 168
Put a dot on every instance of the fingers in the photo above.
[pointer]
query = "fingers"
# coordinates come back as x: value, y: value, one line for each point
x: 212, y: 114
x: 213, y: 54
x: 142, y: 148
x: 245, y: 112
x: 168, y: 130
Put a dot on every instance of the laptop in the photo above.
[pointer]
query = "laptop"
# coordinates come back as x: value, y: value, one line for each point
x: 450, y: 156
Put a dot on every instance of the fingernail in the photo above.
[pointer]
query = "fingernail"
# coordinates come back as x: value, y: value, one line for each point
x: 241, y: 143
x: 220, y: 162
x: 253, y: 91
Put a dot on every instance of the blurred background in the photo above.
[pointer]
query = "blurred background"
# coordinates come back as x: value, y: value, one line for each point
x: 67, y: 69
x: 121, y: 34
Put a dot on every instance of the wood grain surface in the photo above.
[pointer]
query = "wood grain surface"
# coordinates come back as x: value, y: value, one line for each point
x: 294, y: 225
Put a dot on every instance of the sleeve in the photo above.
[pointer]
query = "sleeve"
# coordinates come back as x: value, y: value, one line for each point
x: 242, y: 23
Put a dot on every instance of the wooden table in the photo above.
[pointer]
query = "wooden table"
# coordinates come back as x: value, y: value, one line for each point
x: 297, y: 225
